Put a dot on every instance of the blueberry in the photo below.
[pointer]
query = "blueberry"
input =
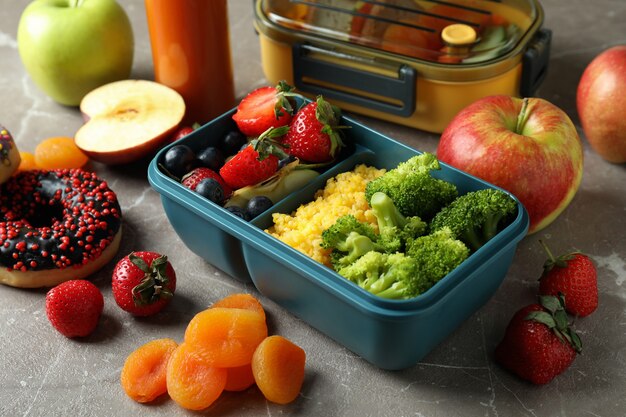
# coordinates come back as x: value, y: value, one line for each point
x: 179, y: 160
x: 211, y: 157
x: 286, y: 161
x: 211, y: 189
x: 232, y: 142
x: 238, y: 211
x: 258, y: 205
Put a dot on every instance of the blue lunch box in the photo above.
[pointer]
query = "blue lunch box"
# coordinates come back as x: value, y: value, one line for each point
x: 390, y: 334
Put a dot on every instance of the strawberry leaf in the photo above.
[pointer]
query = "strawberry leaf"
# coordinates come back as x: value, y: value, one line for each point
x: 326, y: 113
x: 266, y: 144
x: 575, y: 341
x: 550, y: 303
x: 542, y: 317
x: 283, y: 92
x: 153, y: 286
x: 329, y: 116
x: 555, y: 318
x: 139, y: 263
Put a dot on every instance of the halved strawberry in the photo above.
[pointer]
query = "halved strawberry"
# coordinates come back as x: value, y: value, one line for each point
x: 192, y: 179
x: 256, y: 162
x: 264, y: 108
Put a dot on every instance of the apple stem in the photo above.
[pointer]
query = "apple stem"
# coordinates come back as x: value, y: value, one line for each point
x: 522, y: 117
x: 76, y: 3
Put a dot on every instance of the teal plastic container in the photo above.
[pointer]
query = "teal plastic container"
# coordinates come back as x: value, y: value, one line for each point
x: 390, y: 334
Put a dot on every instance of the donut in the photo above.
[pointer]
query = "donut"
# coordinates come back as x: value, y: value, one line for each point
x: 9, y: 155
x: 56, y: 225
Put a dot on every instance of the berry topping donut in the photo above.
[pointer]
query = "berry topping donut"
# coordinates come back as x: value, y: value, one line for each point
x: 56, y: 225
x: 9, y: 155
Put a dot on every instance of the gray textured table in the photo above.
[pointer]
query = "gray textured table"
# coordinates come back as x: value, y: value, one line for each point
x: 44, y: 374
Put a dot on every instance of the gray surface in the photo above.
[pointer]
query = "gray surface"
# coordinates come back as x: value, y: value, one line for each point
x: 44, y: 374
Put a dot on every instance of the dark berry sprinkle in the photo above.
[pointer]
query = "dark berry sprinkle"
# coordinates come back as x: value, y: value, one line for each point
x: 211, y: 157
x: 238, y: 211
x: 232, y: 142
x: 179, y: 160
x: 211, y: 189
x: 258, y: 205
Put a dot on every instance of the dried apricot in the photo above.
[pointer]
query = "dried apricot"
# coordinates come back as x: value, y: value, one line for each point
x: 59, y: 152
x: 226, y: 337
x: 143, y: 375
x: 191, y: 382
x: 241, y: 300
x: 27, y: 161
x: 239, y: 378
x: 278, y: 369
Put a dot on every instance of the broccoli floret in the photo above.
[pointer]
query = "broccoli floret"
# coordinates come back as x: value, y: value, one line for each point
x: 394, y: 228
x: 413, y: 189
x: 476, y: 217
x: 437, y: 254
x: 400, y: 276
x: 393, y: 276
x: 349, y: 239
x: 364, y: 269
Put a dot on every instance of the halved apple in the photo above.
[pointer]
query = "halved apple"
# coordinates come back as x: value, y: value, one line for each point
x: 127, y: 120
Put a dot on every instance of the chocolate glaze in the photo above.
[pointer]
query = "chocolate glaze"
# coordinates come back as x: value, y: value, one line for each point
x: 55, y: 219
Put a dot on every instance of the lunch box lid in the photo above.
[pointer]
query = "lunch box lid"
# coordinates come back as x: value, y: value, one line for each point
x: 455, y: 40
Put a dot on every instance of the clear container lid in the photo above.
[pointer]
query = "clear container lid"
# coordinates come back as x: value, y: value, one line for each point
x: 448, y: 32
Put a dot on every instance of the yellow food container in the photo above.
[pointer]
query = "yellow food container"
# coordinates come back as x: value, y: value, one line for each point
x: 412, y: 62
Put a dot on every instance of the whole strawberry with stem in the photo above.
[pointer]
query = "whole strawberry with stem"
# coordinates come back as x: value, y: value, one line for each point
x: 256, y: 162
x: 74, y: 307
x: 314, y: 132
x: 539, y: 343
x: 573, y: 275
x: 143, y: 283
x: 264, y: 108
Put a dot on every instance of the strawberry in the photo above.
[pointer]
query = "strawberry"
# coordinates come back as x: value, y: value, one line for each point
x: 573, y: 275
x: 313, y: 132
x: 256, y: 162
x: 74, y: 307
x: 263, y: 108
x: 538, y: 343
x: 180, y: 133
x: 143, y: 283
x: 192, y: 179
x: 183, y: 131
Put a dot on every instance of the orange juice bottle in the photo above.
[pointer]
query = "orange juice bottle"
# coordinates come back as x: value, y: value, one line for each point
x: 191, y: 54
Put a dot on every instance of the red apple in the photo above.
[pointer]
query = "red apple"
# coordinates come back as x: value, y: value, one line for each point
x: 528, y: 147
x: 601, y: 102
x: 127, y: 120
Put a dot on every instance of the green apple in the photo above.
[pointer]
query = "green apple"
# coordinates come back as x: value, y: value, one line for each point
x: 70, y: 47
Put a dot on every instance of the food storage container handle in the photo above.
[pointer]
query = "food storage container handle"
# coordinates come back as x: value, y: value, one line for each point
x: 535, y: 62
x: 399, y: 90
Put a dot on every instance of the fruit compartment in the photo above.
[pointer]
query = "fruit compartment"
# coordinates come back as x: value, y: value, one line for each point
x: 196, y: 219
x: 391, y: 334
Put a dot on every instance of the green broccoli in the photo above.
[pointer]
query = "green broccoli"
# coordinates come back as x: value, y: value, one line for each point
x: 349, y: 239
x: 413, y: 189
x: 394, y: 229
x: 437, y: 254
x: 405, y: 275
x: 393, y: 276
x: 476, y: 217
